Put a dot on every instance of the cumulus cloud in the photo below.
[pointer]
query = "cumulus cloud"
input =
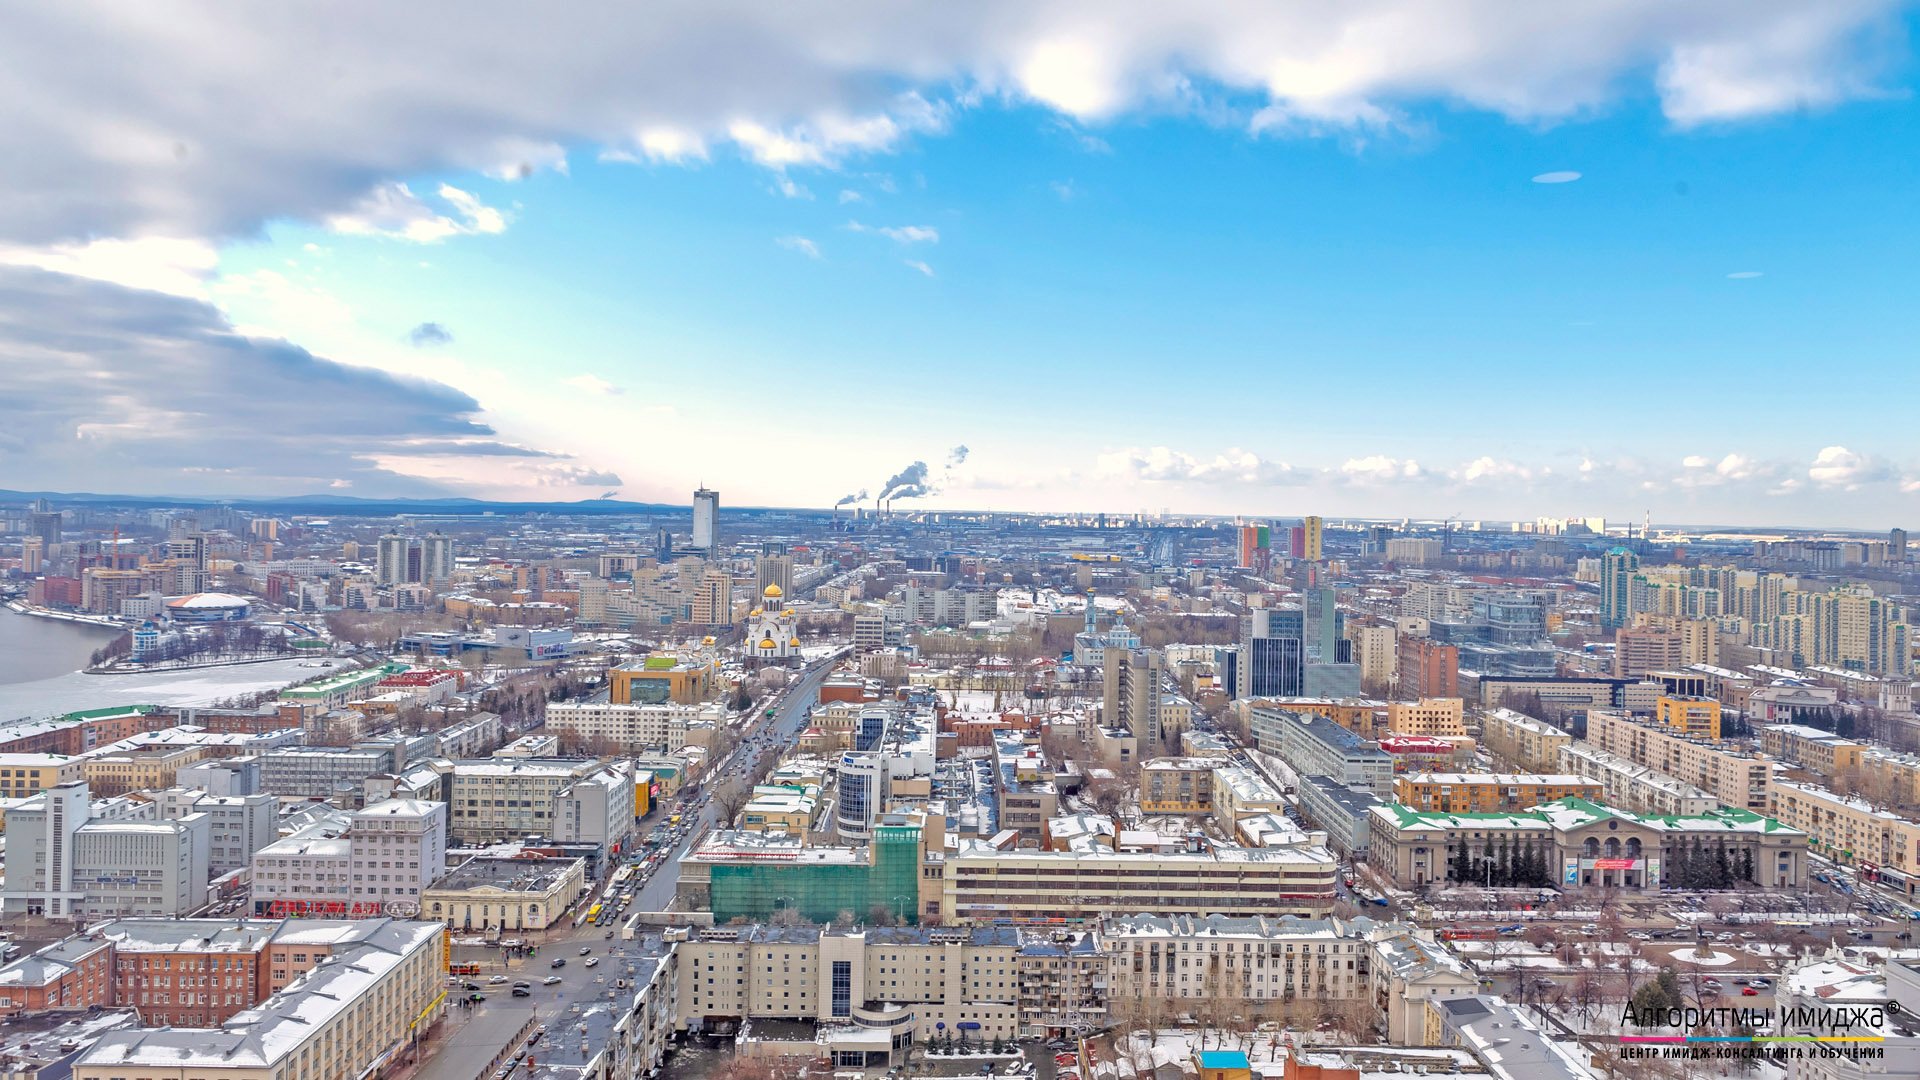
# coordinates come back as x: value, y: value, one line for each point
x: 185, y: 135
x: 1162, y: 464
x: 429, y: 334
x: 108, y: 386
x: 1839, y: 467
x: 1379, y: 468
x: 800, y: 244
x: 394, y: 212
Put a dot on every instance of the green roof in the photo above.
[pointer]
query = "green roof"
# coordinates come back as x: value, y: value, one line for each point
x: 102, y: 714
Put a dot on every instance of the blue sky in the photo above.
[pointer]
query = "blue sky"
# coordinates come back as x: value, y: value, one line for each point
x: 1370, y: 308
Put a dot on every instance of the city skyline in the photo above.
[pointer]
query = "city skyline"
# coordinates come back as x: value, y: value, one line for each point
x: 1222, y: 262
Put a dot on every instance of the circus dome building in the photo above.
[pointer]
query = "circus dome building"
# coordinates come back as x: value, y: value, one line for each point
x: 208, y: 607
x: 773, y: 634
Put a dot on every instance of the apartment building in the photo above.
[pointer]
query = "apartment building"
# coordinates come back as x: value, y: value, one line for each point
x: 1695, y: 716
x: 374, y: 997
x: 1178, y: 785
x: 1435, y: 717
x: 1312, y: 746
x: 1339, y: 811
x: 1222, y: 958
x: 1735, y: 777
x: 597, y: 808
x: 631, y: 727
x: 1428, y: 668
x: 981, y: 883
x: 1630, y: 785
x: 321, y: 772
x: 1525, y: 743
x: 310, y: 870
x: 1817, y: 751
x: 147, y: 768
x: 1852, y: 830
x: 1484, y: 793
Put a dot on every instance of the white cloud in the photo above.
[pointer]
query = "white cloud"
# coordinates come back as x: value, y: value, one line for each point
x: 1741, y: 275
x: 1065, y: 190
x: 1565, y: 176
x: 1379, y: 468
x: 800, y: 244
x: 920, y: 266
x: 903, y: 234
x: 394, y: 212
x: 178, y: 267
x: 848, y: 195
x: 787, y: 187
x: 187, y: 136
x: 594, y: 384
x: 1490, y: 468
x: 1162, y: 464
x: 1837, y: 466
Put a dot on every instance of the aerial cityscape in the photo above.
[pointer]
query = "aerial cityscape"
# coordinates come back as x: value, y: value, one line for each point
x: 1214, y: 542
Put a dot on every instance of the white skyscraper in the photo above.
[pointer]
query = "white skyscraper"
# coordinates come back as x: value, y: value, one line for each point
x: 436, y: 560
x: 391, y: 560
x: 706, y: 518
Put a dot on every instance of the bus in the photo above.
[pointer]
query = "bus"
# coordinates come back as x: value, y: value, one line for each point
x: 593, y: 913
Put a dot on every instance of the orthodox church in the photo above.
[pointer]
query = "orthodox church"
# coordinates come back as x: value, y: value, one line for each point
x: 773, y: 635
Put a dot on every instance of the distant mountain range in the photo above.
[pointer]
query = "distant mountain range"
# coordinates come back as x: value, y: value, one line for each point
x: 349, y: 504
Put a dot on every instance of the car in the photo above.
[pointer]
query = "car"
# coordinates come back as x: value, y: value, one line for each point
x: 1748, y: 991
x: 497, y: 980
x: 593, y: 961
x: 522, y: 991
x: 552, y: 980
x: 559, y: 961
x: 586, y: 950
x: 470, y: 986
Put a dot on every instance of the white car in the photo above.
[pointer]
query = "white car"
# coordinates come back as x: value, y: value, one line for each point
x: 497, y: 980
x: 592, y: 961
x: 551, y: 980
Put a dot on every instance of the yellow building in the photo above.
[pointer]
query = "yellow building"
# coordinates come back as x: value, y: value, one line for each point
x: 22, y: 775
x: 1364, y: 717
x: 781, y: 808
x: 1734, y: 776
x: 1490, y: 793
x: 1852, y: 831
x: 1817, y: 751
x: 143, y: 769
x: 1438, y: 717
x: 660, y: 679
x: 1313, y: 530
x: 1696, y: 716
x: 1182, y: 785
x: 505, y: 893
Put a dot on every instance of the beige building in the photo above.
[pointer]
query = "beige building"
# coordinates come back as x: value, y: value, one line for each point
x: 631, y: 727
x: 1373, y: 651
x: 1736, y: 777
x: 1817, y: 751
x: 982, y: 883
x: 1851, y: 830
x: 1243, y: 793
x: 139, y: 769
x: 915, y: 982
x: 22, y: 775
x: 1181, y: 786
x: 1527, y: 744
x: 1585, y: 845
x: 492, y: 893
x: 1218, y: 958
x: 376, y: 997
x: 1436, y: 717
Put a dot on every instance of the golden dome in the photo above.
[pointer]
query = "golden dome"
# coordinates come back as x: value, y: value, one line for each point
x: 766, y: 643
x: 772, y: 591
x: 786, y: 613
x: 755, y: 613
x: 795, y: 643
